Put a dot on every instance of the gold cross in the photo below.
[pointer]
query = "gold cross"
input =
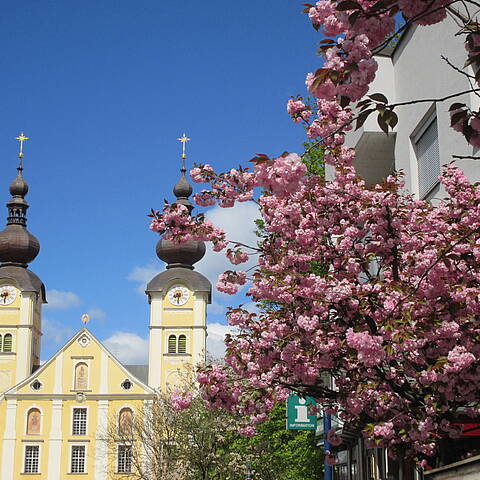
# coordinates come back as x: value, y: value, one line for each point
x: 21, y: 138
x: 184, y: 141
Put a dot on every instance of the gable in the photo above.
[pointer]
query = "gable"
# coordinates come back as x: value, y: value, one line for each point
x: 83, y: 366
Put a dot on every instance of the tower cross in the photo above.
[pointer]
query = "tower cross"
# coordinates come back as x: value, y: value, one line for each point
x: 184, y: 141
x: 21, y: 138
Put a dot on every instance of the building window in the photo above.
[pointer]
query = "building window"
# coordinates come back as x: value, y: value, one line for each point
x: 81, y: 376
x: 182, y: 344
x: 32, y: 459
x: 124, y: 461
x: 428, y: 157
x: 125, y: 422
x: 7, y: 342
x: 36, y: 385
x: 172, y: 344
x: 34, y: 420
x: 79, y: 426
x: 127, y: 384
x: 78, y: 459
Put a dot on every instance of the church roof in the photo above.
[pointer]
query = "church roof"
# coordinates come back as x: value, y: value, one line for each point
x: 138, y: 371
x: 196, y: 281
x: 25, y: 279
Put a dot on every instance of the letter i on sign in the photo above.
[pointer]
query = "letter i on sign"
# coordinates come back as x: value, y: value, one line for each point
x: 302, y: 411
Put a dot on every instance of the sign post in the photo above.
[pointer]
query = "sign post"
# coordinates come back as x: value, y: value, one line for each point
x: 300, y: 415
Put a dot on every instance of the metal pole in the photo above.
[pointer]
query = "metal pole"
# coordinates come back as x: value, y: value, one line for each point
x: 248, y: 473
x: 327, y: 425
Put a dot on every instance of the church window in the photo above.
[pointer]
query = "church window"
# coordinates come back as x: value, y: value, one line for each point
x: 34, y: 419
x: 78, y: 459
x: 81, y: 376
x: 127, y: 384
x: 172, y: 344
x: 7, y: 342
x: 79, y: 424
x: 182, y: 344
x: 124, y: 461
x: 36, y: 385
x: 125, y: 422
x: 32, y: 459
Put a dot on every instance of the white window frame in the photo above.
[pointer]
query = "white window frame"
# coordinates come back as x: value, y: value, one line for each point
x: 85, y: 464
x: 117, y: 470
x: 32, y: 444
x: 417, y: 134
x: 86, y: 422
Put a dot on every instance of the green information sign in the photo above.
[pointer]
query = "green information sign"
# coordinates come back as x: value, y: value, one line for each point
x: 299, y: 413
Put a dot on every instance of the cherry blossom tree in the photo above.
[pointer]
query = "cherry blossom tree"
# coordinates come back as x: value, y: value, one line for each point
x: 386, y: 335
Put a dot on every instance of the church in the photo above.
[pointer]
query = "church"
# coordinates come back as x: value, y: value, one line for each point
x: 54, y: 416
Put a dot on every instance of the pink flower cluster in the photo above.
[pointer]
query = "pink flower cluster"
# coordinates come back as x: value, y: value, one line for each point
x: 181, y: 400
x: 368, y: 346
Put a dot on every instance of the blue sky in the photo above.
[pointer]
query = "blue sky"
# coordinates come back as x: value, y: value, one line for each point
x: 103, y: 90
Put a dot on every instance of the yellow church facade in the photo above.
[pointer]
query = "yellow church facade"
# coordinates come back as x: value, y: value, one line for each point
x: 57, y: 418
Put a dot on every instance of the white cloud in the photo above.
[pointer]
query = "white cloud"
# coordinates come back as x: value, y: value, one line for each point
x: 142, y: 275
x: 55, y: 332
x: 61, y: 300
x: 216, y: 335
x: 129, y: 348
x: 96, y: 313
x: 238, y: 223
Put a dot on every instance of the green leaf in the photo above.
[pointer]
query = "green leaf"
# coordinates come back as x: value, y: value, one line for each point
x: 379, y: 97
x: 456, y: 106
x: 457, y: 117
x: 362, y: 118
x: 382, y: 123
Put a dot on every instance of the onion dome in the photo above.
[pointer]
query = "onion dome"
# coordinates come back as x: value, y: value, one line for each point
x: 185, y: 254
x: 17, y: 245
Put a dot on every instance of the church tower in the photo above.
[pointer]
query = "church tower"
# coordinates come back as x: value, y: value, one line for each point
x: 178, y: 300
x: 21, y: 291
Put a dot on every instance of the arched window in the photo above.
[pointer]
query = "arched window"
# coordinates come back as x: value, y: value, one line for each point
x: 182, y: 344
x: 81, y: 376
x: 1, y: 343
x: 125, y: 419
x: 34, y: 420
x: 172, y: 344
x: 7, y: 342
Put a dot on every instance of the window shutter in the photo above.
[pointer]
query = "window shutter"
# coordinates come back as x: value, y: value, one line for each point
x: 182, y: 344
x: 7, y: 342
x: 172, y: 344
x: 428, y: 156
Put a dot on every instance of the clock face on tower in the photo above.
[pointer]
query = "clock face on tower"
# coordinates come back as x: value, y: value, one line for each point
x: 8, y: 294
x: 178, y: 295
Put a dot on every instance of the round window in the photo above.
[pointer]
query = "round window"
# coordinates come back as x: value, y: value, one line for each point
x: 127, y: 384
x: 36, y: 385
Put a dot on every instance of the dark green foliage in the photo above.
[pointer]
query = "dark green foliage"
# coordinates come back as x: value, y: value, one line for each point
x: 280, y: 454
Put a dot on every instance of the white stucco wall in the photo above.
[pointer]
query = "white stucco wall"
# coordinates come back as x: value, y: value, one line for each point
x: 417, y: 71
x: 420, y: 73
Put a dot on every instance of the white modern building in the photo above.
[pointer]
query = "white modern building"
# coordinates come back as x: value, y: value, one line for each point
x: 421, y: 142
